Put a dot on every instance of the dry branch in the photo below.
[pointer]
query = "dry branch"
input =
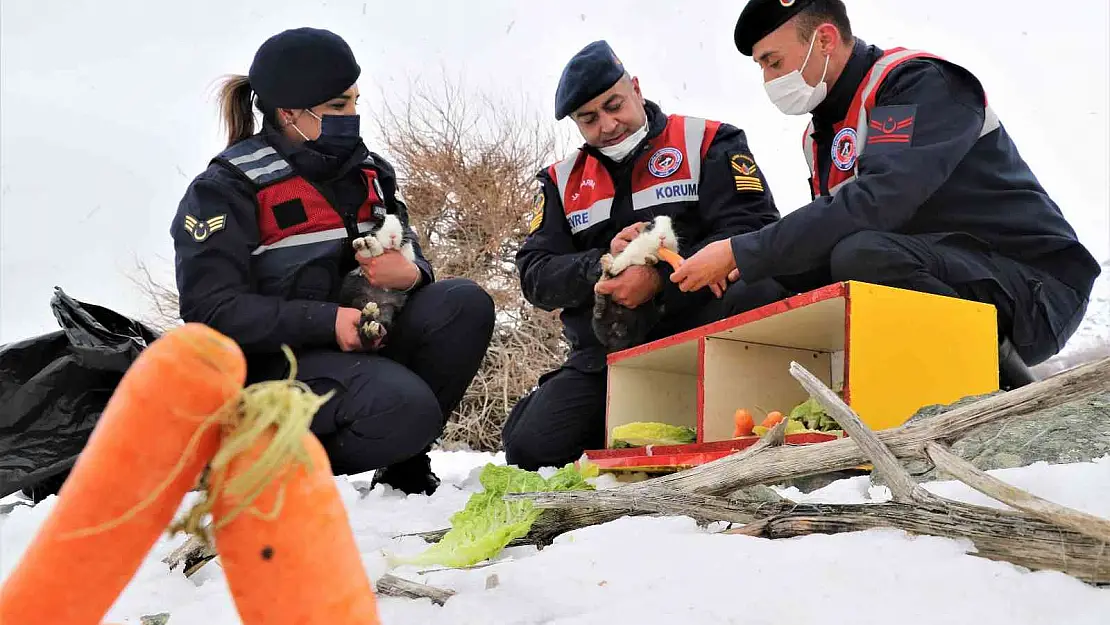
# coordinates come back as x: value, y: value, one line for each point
x: 393, y: 586
x: 1086, y: 524
x: 901, y: 485
x: 1049, y: 536
x: 774, y: 465
x: 190, y: 556
x: 997, y: 534
x: 667, y: 501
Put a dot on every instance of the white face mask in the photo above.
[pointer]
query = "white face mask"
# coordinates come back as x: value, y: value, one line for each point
x: 620, y: 151
x: 792, y: 94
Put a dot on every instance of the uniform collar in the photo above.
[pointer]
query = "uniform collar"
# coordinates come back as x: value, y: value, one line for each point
x: 835, y: 106
x: 657, y: 121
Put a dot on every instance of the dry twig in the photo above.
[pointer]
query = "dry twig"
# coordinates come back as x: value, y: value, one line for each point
x: 1049, y: 536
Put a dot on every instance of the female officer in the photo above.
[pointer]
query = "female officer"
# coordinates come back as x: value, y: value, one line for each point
x: 263, y: 237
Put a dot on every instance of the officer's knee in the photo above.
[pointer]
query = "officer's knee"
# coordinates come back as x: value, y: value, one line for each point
x: 474, y: 303
x: 462, y: 304
x: 523, y: 449
x: 399, y: 408
x: 521, y: 442
x: 863, y: 256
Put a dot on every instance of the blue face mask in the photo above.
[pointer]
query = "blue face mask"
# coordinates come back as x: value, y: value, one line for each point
x: 339, y: 135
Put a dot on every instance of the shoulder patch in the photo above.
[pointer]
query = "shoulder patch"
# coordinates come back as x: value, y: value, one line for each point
x: 538, y: 203
x: 891, y: 127
x: 744, y: 174
x: 201, y: 229
x: 844, y: 150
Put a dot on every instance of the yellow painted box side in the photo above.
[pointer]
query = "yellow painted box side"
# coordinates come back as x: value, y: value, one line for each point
x: 908, y: 349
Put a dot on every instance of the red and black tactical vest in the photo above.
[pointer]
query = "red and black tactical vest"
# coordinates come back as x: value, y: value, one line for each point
x: 670, y: 174
x: 297, y: 226
x: 858, y: 130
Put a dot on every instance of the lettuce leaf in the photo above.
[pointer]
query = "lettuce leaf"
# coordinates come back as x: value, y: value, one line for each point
x: 641, y: 433
x: 487, y: 523
x: 813, y: 415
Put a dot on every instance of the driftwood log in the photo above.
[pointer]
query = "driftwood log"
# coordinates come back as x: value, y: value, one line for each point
x: 769, y: 465
x: 1036, y: 534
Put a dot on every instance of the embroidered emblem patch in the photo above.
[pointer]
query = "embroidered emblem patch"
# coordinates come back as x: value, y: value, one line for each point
x: 744, y: 172
x: 202, y: 229
x: 665, y: 162
x: 538, y: 202
x: 891, y: 125
x: 844, y: 150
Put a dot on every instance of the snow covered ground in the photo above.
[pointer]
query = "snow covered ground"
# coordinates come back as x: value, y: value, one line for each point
x: 669, y: 571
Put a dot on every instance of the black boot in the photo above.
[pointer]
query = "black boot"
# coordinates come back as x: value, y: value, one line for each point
x: 410, y: 476
x: 1012, y: 370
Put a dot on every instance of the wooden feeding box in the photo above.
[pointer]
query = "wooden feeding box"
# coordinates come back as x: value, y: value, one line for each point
x: 888, y: 351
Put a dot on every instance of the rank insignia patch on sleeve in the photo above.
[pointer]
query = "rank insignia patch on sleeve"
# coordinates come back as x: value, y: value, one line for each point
x: 891, y: 127
x: 201, y: 229
x: 744, y: 172
x: 538, y: 202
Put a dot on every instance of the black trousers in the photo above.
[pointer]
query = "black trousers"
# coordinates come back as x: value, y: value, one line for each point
x: 565, y: 414
x: 1037, y: 312
x: 391, y: 406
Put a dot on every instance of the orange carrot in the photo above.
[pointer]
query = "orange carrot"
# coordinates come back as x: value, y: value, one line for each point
x: 671, y: 258
x: 154, y: 437
x: 772, y: 419
x: 744, y: 423
x: 292, y: 557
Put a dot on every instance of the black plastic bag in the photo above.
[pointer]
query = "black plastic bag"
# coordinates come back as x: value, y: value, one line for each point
x: 54, y: 387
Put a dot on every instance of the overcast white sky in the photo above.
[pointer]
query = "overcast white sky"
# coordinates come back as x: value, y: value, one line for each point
x: 106, y: 109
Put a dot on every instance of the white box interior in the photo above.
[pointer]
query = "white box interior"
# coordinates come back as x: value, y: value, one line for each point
x: 756, y: 377
x: 747, y: 366
x: 659, y: 386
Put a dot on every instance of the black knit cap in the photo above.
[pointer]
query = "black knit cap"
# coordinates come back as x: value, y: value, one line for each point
x: 588, y: 74
x: 760, y: 18
x: 302, y: 67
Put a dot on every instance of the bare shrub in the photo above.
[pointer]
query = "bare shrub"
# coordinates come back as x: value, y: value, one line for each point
x: 466, y: 168
x: 162, y: 302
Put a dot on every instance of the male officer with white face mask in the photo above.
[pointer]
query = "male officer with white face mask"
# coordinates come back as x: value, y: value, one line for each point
x: 915, y: 184
x: 637, y: 163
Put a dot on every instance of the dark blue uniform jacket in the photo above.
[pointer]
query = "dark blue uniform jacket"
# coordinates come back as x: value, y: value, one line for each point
x: 263, y: 301
x: 946, y: 180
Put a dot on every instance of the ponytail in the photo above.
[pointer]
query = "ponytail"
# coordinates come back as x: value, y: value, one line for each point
x: 235, y: 108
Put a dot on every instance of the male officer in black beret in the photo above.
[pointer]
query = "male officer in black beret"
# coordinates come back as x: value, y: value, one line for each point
x: 915, y: 183
x: 637, y: 162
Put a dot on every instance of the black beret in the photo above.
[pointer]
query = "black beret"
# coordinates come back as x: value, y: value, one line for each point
x: 760, y: 18
x: 589, y: 74
x: 302, y: 67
